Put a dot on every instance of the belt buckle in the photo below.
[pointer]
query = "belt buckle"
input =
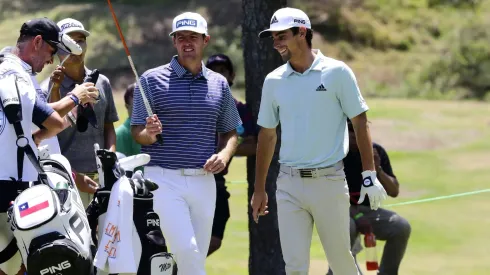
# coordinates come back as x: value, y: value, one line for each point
x: 306, y: 173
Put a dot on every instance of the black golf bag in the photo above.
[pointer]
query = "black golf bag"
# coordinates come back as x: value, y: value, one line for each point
x: 149, y: 248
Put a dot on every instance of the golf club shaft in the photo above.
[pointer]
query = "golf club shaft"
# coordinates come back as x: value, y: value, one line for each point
x: 52, y: 84
x: 142, y: 92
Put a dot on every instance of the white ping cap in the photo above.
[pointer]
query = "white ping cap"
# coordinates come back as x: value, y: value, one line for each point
x: 189, y: 21
x: 286, y: 18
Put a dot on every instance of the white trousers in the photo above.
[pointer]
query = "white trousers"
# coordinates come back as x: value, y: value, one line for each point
x: 186, y: 206
x: 323, y: 201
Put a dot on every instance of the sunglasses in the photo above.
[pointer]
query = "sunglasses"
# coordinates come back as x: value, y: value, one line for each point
x: 53, y: 45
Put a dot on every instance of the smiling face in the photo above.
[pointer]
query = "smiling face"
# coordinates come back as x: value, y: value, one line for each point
x: 285, y: 43
x: 190, y: 45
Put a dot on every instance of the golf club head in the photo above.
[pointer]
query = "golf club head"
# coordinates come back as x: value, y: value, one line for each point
x: 70, y: 45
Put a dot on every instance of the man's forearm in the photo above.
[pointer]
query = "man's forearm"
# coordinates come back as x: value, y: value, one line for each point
x: 141, y: 136
x: 55, y: 95
x: 364, y: 142
x: 48, y: 133
x: 63, y: 106
x: 389, y: 183
x: 265, y: 150
x: 110, y: 137
x: 229, y: 143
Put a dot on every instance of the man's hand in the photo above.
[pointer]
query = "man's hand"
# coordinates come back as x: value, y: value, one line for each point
x: 57, y: 76
x: 363, y: 224
x: 373, y: 188
x: 259, y: 204
x: 85, y: 184
x: 216, y: 163
x: 86, y: 93
x: 153, y: 126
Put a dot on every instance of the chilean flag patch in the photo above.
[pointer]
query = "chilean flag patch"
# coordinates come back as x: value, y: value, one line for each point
x: 25, y: 210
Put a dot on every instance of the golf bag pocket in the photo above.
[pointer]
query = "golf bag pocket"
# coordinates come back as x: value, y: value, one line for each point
x: 53, y: 253
x: 35, y: 207
x: 153, y: 247
x: 51, y: 231
x: 162, y: 264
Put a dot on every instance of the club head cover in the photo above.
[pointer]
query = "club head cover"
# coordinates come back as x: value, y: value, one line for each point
x: 111, y: 169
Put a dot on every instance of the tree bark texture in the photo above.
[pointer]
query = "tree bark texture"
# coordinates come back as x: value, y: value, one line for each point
x: 260, y: 58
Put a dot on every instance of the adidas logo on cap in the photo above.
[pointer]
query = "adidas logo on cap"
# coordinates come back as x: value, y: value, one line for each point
x: 274, y: 20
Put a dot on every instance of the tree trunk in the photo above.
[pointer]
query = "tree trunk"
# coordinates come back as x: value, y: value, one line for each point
x: 260, y: 58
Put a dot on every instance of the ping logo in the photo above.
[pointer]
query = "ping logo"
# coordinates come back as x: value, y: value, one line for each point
x: 186, y: 22
x: 55, y: 268
x: 300, y: 21
x: 153, y: 222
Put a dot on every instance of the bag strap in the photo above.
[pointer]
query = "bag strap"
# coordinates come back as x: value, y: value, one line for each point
x: 24, y: 148
x: 9, y: 251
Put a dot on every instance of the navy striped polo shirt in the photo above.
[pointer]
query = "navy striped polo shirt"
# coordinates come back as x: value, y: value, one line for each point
x: 191, y: 108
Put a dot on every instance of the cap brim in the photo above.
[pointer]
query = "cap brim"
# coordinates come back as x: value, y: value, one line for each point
x: 84, y: 32
x: 267, y: 33
x: 192, y: 29
x: 62, y: 47
x: 58, y: 45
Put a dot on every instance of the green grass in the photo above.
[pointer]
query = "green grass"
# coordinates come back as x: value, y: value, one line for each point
x: 448, y: 236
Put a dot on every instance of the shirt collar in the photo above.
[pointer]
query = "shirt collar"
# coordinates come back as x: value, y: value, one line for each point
x: 69, y: 82
x: 317, y: 64
x: 181, y: 71
x: 15, y: 59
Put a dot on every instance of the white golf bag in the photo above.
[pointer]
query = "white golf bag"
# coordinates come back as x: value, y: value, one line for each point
x: 50, y: 225
x: 148, y: 243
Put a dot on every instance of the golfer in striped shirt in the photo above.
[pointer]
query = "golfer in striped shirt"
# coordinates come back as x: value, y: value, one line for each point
x: 191, y: 103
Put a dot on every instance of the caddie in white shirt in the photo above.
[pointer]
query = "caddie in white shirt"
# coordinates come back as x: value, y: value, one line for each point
x: 311, y: 96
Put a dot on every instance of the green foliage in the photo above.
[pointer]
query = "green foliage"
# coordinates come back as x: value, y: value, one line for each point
x: 463, y: 67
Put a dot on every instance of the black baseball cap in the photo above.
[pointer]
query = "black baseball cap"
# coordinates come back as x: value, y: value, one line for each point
x: 220, y: 59
x: 47, y: 29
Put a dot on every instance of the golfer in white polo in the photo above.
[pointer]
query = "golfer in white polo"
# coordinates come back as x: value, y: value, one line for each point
x: 311, y: 96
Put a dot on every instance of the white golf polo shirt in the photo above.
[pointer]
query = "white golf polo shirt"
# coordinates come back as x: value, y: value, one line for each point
x: 312, y: 108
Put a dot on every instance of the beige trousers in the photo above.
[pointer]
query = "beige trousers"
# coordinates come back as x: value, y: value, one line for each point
x: 323, y: 201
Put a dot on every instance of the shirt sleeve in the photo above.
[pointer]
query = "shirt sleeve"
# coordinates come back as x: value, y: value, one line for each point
x: 350, y: 96
x: 228, y: 119
x: 139, y: 113
x: 385, y: 160
x: 269, y: 111
x: 111, y: 111
x: 41, y: 112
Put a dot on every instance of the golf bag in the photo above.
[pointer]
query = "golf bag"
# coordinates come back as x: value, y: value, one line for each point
x: 50, y: 225
x: 149, y: 248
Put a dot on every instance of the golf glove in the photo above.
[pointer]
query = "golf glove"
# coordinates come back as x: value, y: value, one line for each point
x: 373, y: 188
